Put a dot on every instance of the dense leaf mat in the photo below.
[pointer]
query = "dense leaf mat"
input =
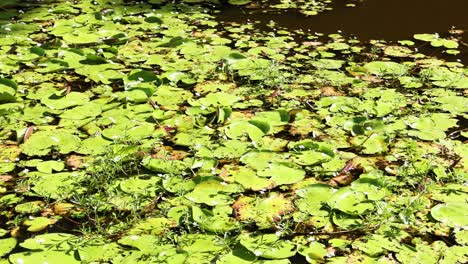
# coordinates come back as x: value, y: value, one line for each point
x: 135, y: 132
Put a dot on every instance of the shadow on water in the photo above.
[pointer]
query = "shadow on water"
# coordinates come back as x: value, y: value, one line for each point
x: 390, y: 20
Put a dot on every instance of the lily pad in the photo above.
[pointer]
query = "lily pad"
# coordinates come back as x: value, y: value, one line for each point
x: 67, y: 101
x: 213, y: 192
x: 314, y: 252
x: 282, y: 174
x: 350, y: 202
x: 43, y: 142
x: 7, y: 245
x: 264, y: 212
x: 30, y: 207
x: 313, y: 198
x: 268, y: 246
x: 39, y: 223
x: 214, y: 221
x: 386, y: 68
x: 451, y: 214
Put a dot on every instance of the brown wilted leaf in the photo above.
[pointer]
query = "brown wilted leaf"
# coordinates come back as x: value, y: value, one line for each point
x: 371, y: 79
x: 312, y: 43
x: 5, y: 178
x: 178, y: 155
x: 342, y: 180
x: 75, y: 162
x: 330, y: 91
x: 348, y: 174
x: 15, y: 232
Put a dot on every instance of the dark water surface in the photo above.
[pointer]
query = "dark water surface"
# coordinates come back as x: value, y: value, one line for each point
x: 371, y: 19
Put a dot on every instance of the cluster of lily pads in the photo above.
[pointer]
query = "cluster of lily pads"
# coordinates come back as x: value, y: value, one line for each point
x: 150, y: 132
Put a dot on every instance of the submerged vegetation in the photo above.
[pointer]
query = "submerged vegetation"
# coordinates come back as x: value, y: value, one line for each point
x: 151, y: 132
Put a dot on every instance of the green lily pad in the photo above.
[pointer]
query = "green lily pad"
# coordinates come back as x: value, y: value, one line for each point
x: 216, y: 99
x: 57, y: 185
x: 43, y: 142
x: 144, y: 243
x: 310, y: 157
x: 248, y: 178
x: 213, y: 192
x: 437, y: 41
x: 261, y: 160
x: 386, y: 68
x: 140, y: 186
x: 263, y: 211
x: 451, y: 214
x: 350, y: 202
x: 6, y: 167
x: 313, y: 198
x: 67, y: 101
x: 30, y: 207
x: 462, y: 237
x: 239, y: 255
x: 214, y: 221
x: 165, y: 166
x: 346, y: 221
x: 452, y: 104
x: 450, y: 193
x: 7, y: 245
x: 196, y: 243
x: 268, y: 246
x: 50, y: 165
x: 49, y: 256
x: 94, y: 146
x: 130, y: 130
x: 61, y: 241
x: 82, y: 112
x: 239, y: 2
x: 282, y: 174
x: 7, y: 90
x: 314, y: 252
x: 98, y: 250
x: 241, y: 129
x: 39, y: 223
x: 422, y: 253
x: 153, y: 226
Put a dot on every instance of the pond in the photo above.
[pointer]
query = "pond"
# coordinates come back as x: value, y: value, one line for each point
x: 255, y: 132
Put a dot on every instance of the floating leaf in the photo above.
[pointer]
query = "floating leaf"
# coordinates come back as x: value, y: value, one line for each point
x: 69, y: 100
x: 50, y: 165
x: 43, y: 142
x: 39, y: 223
x: 350, y: 201
x: 313, y: 198
x: 240, y: 129
x: 268, y: 246
x: 451, y: 214
x: 49, y: 256
x: 30, y: 207
x: 263, y: 211
x: 213, y: 192
x: 281, y: 174
x: 7, y: 245
x: 7, y: 90
x: 315, y: 251
x: 57, y: 185
x: 216, y: 221
x: 386, y: 68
